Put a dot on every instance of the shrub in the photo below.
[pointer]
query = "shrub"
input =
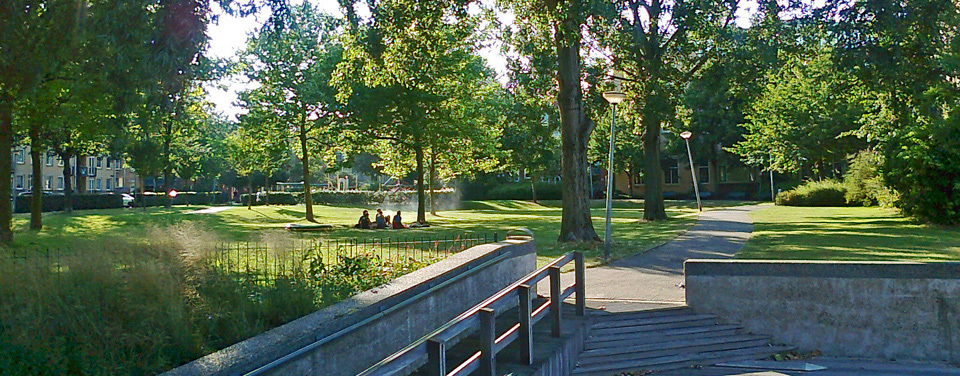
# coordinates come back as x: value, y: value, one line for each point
x: 516, y: 191
x: 115, y: 307
x: 271, y: 198
x: 183, y: 198
x: 80, y: 201
x: 815, y: 193
x: 864, y: 183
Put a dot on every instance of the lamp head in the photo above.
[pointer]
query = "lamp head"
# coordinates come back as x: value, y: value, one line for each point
x: 614, y: 97
x: 686, y: 135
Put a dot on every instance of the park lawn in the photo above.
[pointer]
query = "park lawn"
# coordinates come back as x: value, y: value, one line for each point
x: 847, y: 234
x: 239, y: 224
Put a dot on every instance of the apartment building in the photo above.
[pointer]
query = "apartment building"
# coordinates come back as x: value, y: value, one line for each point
x: 101, y: 174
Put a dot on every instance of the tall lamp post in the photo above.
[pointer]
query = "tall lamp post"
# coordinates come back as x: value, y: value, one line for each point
x: 613, y: 97
x: 696, y: 189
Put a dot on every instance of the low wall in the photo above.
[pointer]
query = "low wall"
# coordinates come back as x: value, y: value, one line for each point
x: 882, y: 310
x: 374, y: 324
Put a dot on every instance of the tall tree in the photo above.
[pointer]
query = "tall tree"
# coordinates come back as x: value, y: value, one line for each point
x: 405, y: 73
x: 909, y: 53
x: 293, y: 61
x: 660, y: 46
x: 558, y: 24
x: 805, y: 113
x: 34, y: 39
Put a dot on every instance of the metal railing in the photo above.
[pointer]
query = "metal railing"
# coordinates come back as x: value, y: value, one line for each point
x: 483, y: 316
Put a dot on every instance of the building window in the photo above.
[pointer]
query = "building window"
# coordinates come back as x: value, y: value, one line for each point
x: 722, y: 174
x: 638, y: 178
x: 703, y: 174
x: 99, y: 184
x: 48, y: 182
x: 109, y: 182
x: 109, y: 163
x: 49, y: 159
x: 671, y: 174
x: 30, y: 182
x: 119, y: 164
x: 99, y: 162
x: 60, y: 182
x: 59, y: 161
x: 19, y: 182
x: 18, y: 156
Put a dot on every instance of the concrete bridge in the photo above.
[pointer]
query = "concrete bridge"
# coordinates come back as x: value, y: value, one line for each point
x: 685, y: 308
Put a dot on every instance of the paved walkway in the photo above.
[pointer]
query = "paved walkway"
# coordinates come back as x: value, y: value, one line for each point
x: 654, y: 278
x: 211, y: 210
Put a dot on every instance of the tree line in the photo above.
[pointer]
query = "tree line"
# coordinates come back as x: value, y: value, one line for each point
x: 789, y: 87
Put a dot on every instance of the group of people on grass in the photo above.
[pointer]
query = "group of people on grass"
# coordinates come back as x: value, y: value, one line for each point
x: 381, y: 221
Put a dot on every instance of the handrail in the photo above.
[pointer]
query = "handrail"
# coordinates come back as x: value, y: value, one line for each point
x: 325, y: 339
x: 433, y: 346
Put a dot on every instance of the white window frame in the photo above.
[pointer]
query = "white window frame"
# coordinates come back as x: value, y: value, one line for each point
x: 60, y: 182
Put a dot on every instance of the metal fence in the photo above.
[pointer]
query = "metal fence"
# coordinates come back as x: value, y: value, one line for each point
x: 269, y: 261
x: 282, y: 258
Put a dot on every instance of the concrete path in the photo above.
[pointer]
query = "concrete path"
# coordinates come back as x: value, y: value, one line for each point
x: 653, y: 279
x: 211, y: 210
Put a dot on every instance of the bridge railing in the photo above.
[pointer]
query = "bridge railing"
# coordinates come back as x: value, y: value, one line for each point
x: 483, y: 317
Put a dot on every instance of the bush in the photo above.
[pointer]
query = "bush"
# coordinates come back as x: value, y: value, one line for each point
x: 815, y: 193
x: 140, y: 307
x: 183, y: 198
x: 271, y: 198
x: 864, y: 183
x: 515, y: 191
x: 80, y: 201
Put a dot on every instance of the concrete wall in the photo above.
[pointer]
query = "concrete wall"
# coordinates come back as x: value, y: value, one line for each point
x: 447, y: 289
x: 850, y: 309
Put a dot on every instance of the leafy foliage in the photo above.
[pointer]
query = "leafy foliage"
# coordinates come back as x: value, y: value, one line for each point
x: 815, y: 193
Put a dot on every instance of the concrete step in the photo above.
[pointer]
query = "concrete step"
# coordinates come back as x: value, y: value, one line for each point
x: 679, y: 360
x: 651, y: 350
x: 659, y: 312
x: 651, y: 324
x: 677, y: 334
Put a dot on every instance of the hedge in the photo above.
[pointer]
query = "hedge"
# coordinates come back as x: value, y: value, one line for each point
x: 183, y: 198
x: 80, y: 201
x: 822, y: 193
x: 513, y: 191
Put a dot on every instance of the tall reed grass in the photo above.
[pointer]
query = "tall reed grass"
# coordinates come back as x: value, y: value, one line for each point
x: 119, y: 307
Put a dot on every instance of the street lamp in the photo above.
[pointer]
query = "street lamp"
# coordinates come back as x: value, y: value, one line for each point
x: 613, y: 97
x: 696, y: 189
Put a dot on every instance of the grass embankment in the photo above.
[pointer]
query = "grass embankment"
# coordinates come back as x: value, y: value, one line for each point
x: 847, y: 234
x: 240, y: 224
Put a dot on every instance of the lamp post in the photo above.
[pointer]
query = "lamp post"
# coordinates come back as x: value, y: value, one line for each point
x: 696, y: 189
x: 613, y: 97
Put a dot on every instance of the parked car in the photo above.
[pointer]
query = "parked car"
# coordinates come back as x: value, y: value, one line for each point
x: 127, y: 200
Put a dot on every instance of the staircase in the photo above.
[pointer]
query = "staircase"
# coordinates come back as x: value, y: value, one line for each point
x: 665, y: 339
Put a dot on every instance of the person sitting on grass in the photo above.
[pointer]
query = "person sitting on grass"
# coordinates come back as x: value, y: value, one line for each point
x: 381, y: 221
x: 397, y: 221
x: 364, y: 222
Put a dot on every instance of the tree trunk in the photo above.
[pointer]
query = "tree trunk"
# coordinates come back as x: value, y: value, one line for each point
x: 533, y: 187
x: 81, y: 177
x: 250, y: 192
x: 433, y: 178
x: 6, y: 142
x: 305, y: 162
x: 36, y: 199
x: 67, y: 181
x: 167, y: 166
x: 576, y: 224
x: 653, y: 209
x: 421, y: 196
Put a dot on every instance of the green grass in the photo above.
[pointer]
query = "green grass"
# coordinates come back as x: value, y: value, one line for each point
x: 241, y: 224
x: 854, y: 234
